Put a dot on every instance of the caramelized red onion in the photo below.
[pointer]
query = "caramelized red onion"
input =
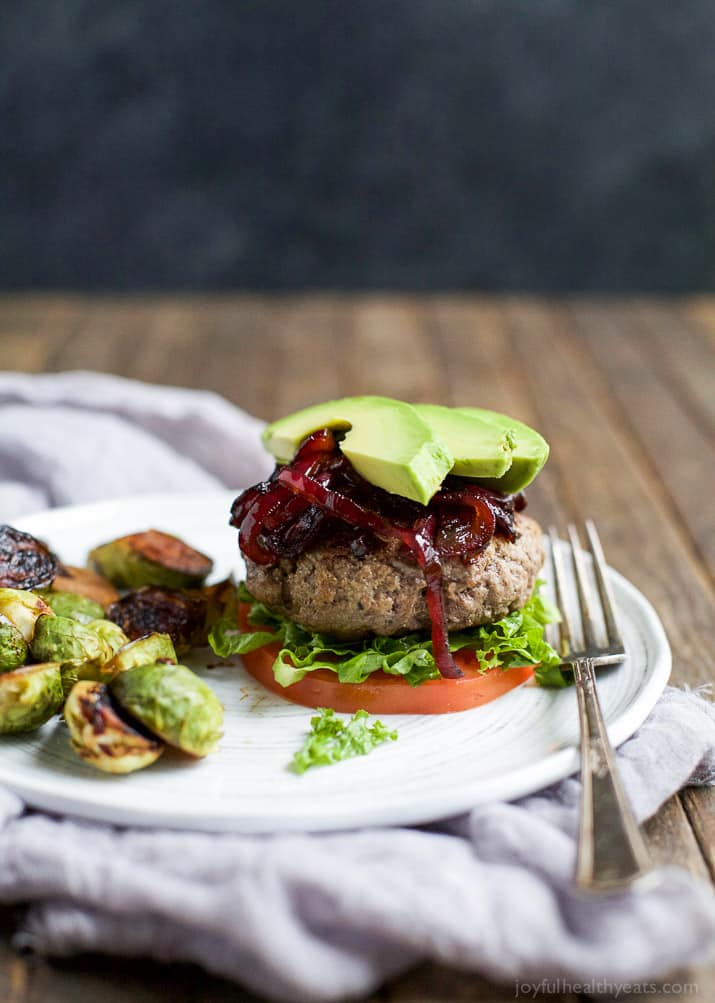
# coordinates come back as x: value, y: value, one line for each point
x: 319, y: 491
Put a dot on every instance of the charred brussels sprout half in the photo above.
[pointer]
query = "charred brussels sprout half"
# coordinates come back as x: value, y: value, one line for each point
x: 23, y: 609
x: 151, y: 558
x: 25, y: 563
x: 61, y: 639
x: 143, y: 651
x: 162, y: 611
x: 13, y: 646
x: 29, y: 696
x: 77, y: 607
x: 79, y: 648
x: 173, y: 703
x: 109, y: 633
x: 83, y: 582
x: 102, y: 735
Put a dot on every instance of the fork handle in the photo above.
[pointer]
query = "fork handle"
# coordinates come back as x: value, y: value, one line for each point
x: 611, y: 850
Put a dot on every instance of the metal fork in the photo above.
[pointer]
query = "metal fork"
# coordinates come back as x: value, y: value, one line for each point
x: 611, y: 851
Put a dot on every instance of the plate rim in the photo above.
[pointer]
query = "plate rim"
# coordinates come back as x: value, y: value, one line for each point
x: 516, y: 783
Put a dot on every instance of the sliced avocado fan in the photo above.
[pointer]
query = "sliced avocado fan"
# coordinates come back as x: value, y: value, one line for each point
x: 530, y: 450
x: 478, y: 448
x: 386, y: 441
x: 408, y: 449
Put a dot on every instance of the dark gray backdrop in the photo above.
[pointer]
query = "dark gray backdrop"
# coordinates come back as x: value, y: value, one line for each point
x: 495, y: 144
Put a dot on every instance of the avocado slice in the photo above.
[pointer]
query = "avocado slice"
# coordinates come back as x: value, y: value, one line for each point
x: 479, y: 448
x: 387, y: 442
x: 529, y: 450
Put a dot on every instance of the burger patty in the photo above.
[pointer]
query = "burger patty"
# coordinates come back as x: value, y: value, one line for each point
x: 334, y: 591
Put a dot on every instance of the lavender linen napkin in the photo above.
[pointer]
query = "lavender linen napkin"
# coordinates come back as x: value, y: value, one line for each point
x: 319, y: 917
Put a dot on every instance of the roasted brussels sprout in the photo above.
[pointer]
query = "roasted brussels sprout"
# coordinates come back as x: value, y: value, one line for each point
x: 110, y: 633
x: 163, y: 611
x: 143, y: 651
x: 173, y: 703
x: 71, y: 604
x: 25, y: 563
x: 151, y: 558
x: 83, y: 582
x: 80, y: 650
x: 23, y: 609
x: 103, y: 735
x: 13, y: 646
x: 61, y: 639
x: 29, y: 696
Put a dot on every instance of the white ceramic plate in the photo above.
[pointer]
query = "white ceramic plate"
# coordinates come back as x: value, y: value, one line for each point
x: 439, y: 766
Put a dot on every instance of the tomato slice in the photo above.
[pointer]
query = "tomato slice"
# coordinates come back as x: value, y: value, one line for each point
x: 382, y: 693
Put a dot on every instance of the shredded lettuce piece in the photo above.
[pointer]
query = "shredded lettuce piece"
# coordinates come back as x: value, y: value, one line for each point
x: 331, y: 739
x: 516, y: 639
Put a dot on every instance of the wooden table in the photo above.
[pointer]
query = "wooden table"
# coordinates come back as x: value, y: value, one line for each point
x: 623, y: 389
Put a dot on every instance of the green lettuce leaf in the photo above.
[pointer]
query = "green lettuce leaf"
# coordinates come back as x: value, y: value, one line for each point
x: 516, y: 639
x: 332, y: 739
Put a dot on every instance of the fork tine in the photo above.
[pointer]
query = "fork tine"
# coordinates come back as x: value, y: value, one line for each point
x: 583, y: 591
x: 604, y: 586
x: 559, y: 572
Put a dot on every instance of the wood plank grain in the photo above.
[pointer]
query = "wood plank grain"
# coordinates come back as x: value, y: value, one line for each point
x: 268, y: 356
x: 93, y: 978
x: 474, y: 346
x: 308, y: 360
x: 601, y: 474
x: 28, y: 312
x: 103, y: 334
x: 116, y: 336
x: 680, y: 354
x: 32, y: 332
x: 684, y: 359
x: 700, y: 310
x: 699, y: 804
x: 671, y: 840
x: 14, y: 970
x: 168, y: 345
x: 631, y: 351
x: 386, y: 348
x: 236, y: 352
x: 433, y: 983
